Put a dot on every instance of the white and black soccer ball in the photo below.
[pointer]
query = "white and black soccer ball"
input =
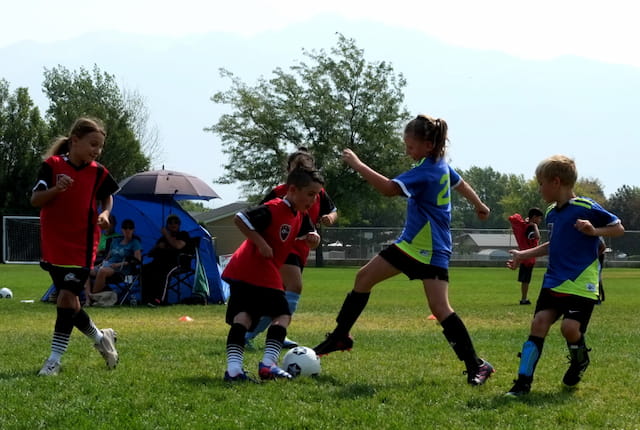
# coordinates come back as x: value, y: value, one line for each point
x: 301, y: 361
x: 5, y: 293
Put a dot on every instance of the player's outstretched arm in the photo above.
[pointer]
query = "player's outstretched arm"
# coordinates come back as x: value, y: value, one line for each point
x: 466, y: 191
x: 384, y: 185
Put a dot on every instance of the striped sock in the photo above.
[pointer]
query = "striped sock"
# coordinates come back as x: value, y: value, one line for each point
x: 83, y: 322
x: 61, y: 333
x: 273, y: 345
x: 235, y: 349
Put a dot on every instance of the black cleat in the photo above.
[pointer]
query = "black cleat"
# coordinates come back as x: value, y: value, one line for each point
x: 522, y: 387
x: 334, y: 343
x: 482, y: 373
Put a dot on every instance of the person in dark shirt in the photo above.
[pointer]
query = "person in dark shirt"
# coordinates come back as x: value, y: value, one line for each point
x: 165, y: 255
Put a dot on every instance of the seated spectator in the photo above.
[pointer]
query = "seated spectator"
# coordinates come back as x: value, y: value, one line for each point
x: 165, y: 257
x: 103, y: 247
x: 118, y: 259
x: 105, y: 240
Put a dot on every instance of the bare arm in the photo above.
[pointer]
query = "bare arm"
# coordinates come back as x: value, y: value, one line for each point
x: 465, y: 190
x: 265, y: 250
x: 384, y: 185
x: 517, y: 256
x: 103, y: 218
x: 615, y: 230
x: 329, y: 219
x: 42, y: 197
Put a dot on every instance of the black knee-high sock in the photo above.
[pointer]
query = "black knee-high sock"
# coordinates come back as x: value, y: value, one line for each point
x: 61, y: 332
x: 351, y: 309
x: 82, y: 321
x: 273, y: 344
x: 235, y: 348
x: 458, y: 337
x: 578, y: 351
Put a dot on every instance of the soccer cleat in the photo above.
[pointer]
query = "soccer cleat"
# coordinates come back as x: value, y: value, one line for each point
x: 334, y: 343
x: 272, y: 372
x: 288, y: 343
x: 50, y: 368
x: 107, y: 347
x: 525, y: 302
x: 240, y: 377
x: 575, y: 372
x: 482, y: 373
x: 521, y: 387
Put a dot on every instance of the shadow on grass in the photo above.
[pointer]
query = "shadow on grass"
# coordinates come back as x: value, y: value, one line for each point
x: 533, y: 399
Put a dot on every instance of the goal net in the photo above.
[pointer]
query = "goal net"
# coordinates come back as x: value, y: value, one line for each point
x: 21, y: 239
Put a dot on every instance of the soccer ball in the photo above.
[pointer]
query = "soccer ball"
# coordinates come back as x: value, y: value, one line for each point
x: 5, y: 293
x: 301, y: 361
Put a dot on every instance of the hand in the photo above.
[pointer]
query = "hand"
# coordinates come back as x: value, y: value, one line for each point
x: 313, y: 239
x: 63, y: 182
x: 482, y: 212
x: 350, y: 157
x: 585, y: 226
x: 514, y: 263
x: 103, y: 220
x: 326, y: 220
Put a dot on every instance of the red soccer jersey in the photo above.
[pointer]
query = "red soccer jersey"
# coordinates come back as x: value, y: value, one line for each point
x: 322, y: 206
x: 247, y: 264
x: 68, y: 223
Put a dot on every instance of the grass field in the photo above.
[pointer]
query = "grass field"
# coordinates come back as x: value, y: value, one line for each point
x: 401, y: 374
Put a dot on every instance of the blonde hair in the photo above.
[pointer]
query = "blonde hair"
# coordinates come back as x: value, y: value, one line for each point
x: 429, y: 129
x: 558, y: 166
x: 80, y: 128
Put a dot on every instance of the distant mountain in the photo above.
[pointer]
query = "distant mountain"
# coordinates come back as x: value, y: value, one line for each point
x: 502, y: 111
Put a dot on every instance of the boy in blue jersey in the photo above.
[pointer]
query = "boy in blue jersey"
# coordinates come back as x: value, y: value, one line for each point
x: 423, y: 249
x: 570, y: 284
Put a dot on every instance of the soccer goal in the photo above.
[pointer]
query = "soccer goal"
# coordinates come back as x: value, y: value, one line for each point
x: 21, y: 239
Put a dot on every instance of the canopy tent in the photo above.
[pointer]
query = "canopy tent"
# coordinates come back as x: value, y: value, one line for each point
x: 149, y: 216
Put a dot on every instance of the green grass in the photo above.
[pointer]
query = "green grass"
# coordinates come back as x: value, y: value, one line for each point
x: 400, y: 375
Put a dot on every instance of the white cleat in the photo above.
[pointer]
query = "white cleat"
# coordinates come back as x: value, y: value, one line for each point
x: 50, y: 368
x: 107, y: 347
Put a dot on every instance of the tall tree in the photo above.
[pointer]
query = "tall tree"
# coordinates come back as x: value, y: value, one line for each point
x: 95, y: 93
x: 332, y: 101
x: 23, y: 137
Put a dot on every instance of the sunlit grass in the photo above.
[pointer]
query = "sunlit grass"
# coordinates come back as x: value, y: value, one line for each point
x: 401, y: 373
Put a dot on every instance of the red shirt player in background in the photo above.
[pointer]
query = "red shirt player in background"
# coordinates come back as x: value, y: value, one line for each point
x: 70, y: 185
x: 253, y: 272
x: 324, y: 212
x: 527, y: 236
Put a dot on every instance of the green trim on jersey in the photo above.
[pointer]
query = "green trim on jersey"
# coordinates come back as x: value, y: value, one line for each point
x: 421, y: 247
x: 585, y: 285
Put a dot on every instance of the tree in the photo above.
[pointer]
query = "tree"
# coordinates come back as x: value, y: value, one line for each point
x: 336, y: 100
x: 490, y: 186
x: 625, y: 203
x: 23, y: 138
x: 96, y: 94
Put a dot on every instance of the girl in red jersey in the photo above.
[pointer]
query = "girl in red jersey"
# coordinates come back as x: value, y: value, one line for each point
x: 253, y: 272
x: 70, y: 185
x: 324, y: 212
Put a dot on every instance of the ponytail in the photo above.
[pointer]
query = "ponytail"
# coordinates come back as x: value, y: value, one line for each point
x: 429, y: 129
x: 81, y: 127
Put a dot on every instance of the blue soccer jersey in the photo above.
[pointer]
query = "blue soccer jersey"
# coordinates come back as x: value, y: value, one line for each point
x: 426, y: 235
x: 573, y: 266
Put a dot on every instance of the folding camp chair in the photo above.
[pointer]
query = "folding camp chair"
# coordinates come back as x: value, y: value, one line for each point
x: 124, y: 285
x: 184, y: 274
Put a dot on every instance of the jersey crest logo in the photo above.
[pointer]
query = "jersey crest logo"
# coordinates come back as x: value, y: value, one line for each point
x: 285, y: 231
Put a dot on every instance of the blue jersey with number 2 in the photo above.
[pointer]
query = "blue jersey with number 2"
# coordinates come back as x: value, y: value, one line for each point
x: 426, y: 236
